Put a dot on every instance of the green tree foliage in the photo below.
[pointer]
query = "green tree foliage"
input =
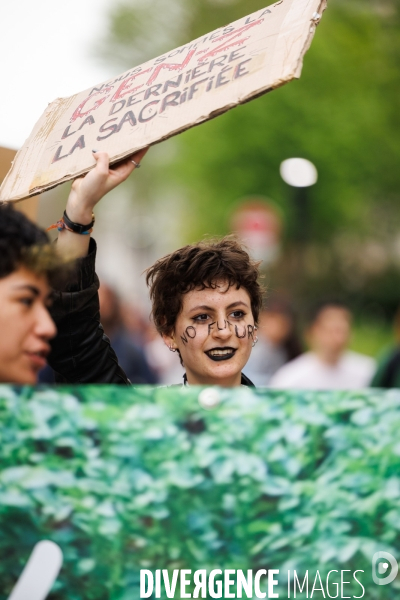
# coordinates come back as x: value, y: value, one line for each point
x: 124, y: 479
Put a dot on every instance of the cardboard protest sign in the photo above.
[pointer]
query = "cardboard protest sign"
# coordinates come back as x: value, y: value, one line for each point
x: 165, y: 96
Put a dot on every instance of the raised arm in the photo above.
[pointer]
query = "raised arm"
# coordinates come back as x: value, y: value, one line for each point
x: 81, y: 352
x: 86, y: 192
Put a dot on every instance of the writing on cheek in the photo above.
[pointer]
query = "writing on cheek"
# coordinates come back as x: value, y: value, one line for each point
x: 250, y: 331
x: 237, y: 332
x: 210, y: 327
x: 190, y: 332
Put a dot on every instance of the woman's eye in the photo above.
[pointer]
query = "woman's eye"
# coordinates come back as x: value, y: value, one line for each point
x: 237, y: 314
x: 202, y: 317
x: 26, y: 301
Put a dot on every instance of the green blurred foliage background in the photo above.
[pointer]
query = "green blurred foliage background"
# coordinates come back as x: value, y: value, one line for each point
x: 343, y: 115
x: 126, y: 478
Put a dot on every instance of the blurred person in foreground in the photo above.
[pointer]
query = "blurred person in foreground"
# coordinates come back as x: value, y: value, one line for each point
x: 388, y: 372
x: 27, y: 268
x: 278, y: 342
x: 328, y: 365
x: 130, y: 356
x: 30, y: 267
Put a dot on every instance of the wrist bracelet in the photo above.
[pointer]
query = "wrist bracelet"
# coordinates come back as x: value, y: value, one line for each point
x: 77, y: 227
x: 66, y: 223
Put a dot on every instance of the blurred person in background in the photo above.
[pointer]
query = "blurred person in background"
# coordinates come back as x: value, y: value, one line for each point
x: 278, y: 342
x: 135, y: 320
x: 328, y: 365
x: 388, y: 372
x: 130, y: 355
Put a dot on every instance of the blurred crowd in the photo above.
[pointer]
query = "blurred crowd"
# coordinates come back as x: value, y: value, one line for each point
x: 315, y: 356
x: 319, y: 357
x: 327, y: 363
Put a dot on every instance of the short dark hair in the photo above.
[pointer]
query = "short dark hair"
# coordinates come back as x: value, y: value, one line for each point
x: 200, y: 266
x: 22, y: 243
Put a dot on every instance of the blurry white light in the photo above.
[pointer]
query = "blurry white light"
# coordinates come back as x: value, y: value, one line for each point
x: 298, y: 172
x: 209, y: 398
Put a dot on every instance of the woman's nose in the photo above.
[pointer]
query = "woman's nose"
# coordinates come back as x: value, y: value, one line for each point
x: 223, y: 329
x: 45, y: 326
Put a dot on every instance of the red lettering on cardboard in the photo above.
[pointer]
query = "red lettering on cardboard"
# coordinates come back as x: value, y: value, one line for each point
x: 227, y: 41
x: 126, y: 87
x: 79, y: 111
x: 171, y: 67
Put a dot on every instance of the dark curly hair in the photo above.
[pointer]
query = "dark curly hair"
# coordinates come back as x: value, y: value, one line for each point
x: 22, y: 243
x: 200, y: 266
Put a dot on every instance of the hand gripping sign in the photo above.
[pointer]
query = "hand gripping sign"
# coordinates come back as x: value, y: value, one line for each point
x: 165, y: 96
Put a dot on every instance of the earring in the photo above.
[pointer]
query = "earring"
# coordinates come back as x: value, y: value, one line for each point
x: 172, y: 349
x: 255, y: 340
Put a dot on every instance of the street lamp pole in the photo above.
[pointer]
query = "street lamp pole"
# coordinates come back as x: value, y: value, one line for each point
x: 300, y: 174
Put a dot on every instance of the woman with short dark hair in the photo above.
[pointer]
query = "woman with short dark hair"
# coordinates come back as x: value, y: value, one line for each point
x: 206, y: 299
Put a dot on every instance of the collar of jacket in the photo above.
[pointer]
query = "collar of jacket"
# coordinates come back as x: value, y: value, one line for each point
x: 245, y: 381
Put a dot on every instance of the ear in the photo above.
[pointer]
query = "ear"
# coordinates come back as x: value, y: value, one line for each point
x: 169, y: 341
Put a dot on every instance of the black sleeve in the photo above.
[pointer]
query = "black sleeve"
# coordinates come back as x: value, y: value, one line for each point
x: 81, y: 352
